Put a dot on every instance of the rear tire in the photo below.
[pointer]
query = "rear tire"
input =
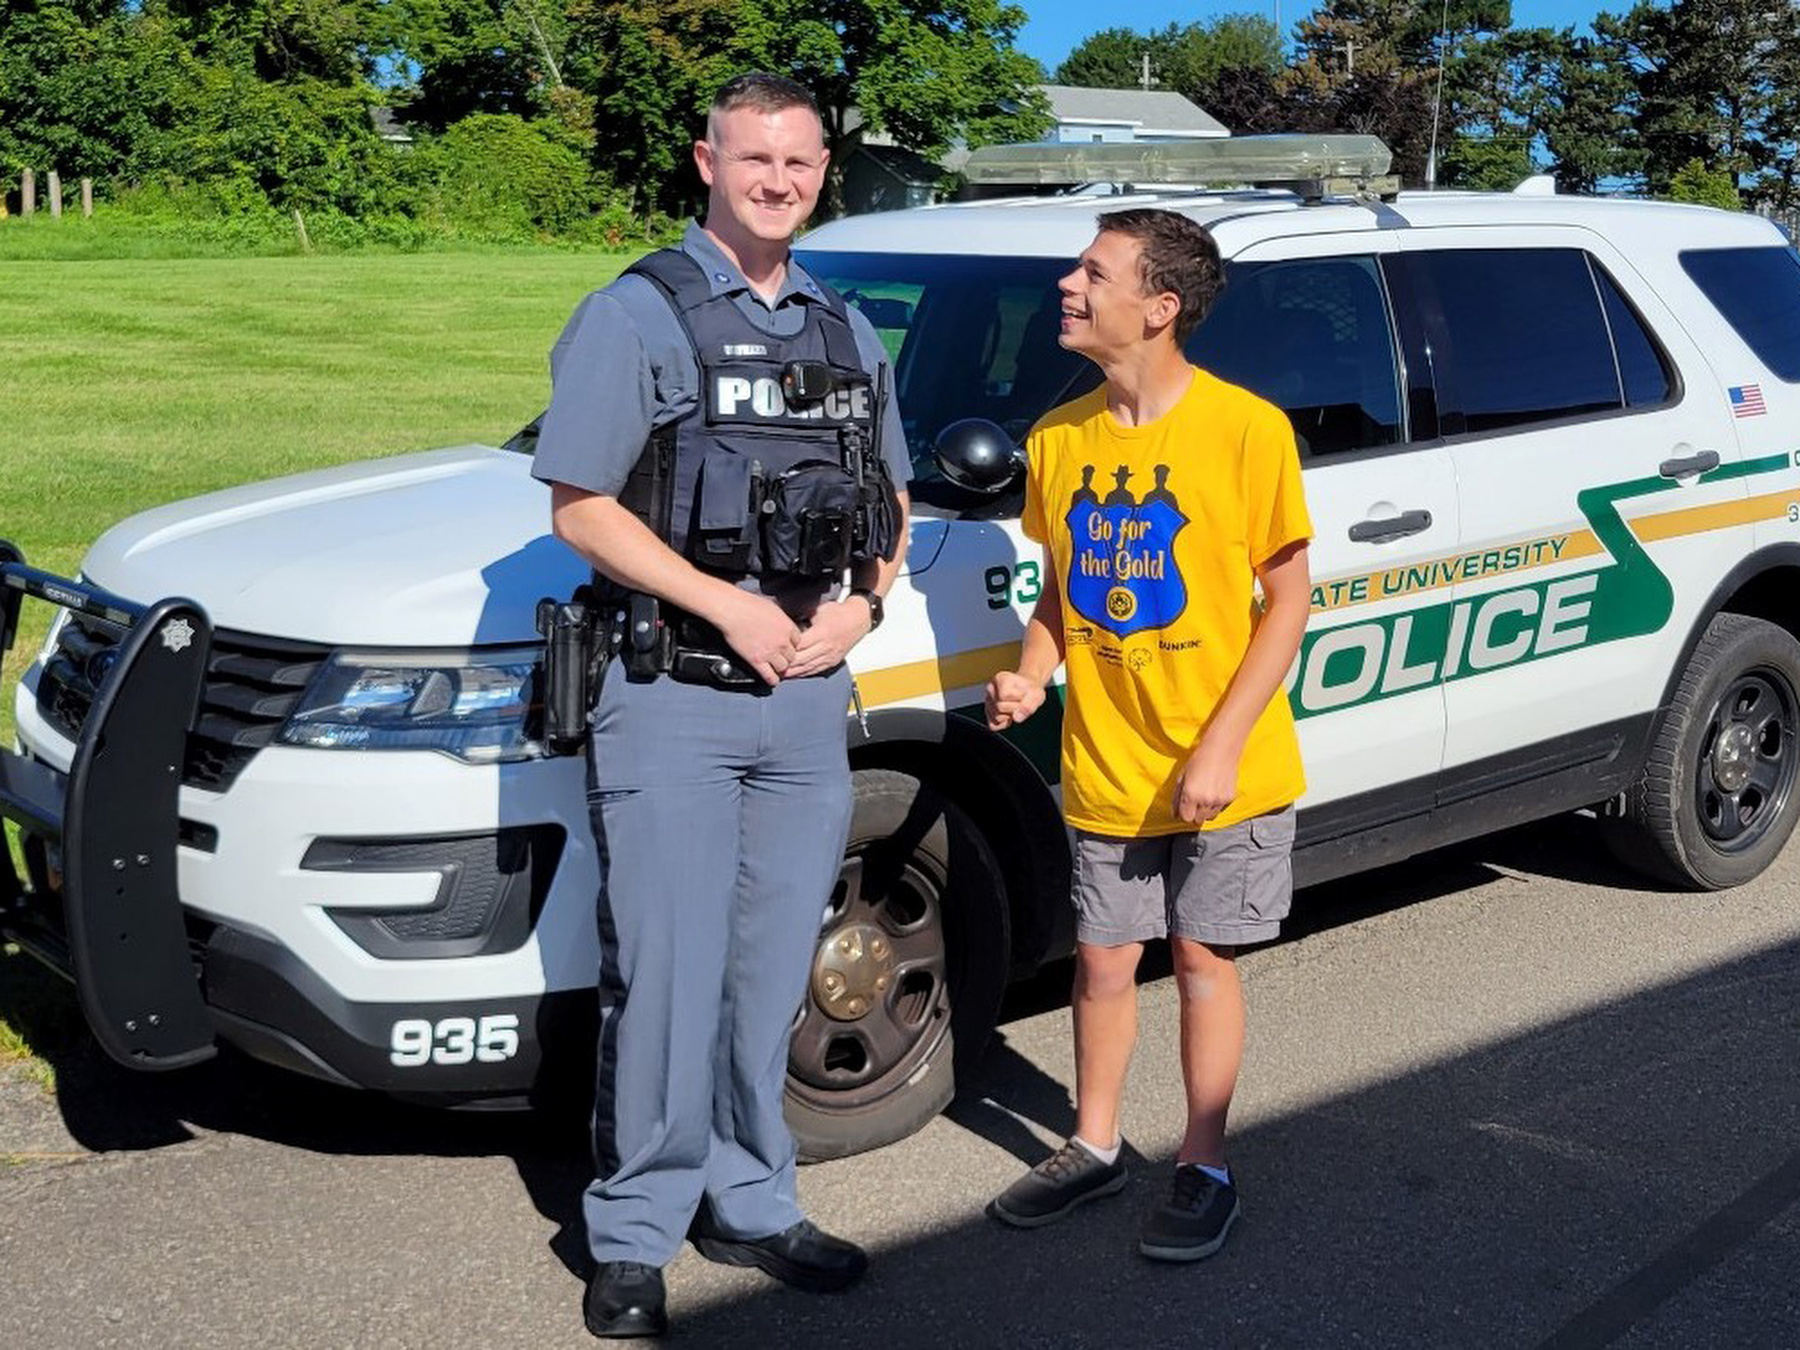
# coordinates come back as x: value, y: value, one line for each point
x: 913, y: 958
x: 1716, y: 801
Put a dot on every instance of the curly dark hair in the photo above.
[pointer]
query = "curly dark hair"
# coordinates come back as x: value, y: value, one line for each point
x: 1178, y: 255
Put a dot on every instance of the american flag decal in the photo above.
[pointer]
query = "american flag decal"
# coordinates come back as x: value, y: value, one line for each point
x: 1746, y: 400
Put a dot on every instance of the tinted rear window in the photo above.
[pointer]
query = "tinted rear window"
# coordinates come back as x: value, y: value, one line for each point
x: 1527, y: 340
x: 1758, y: 292
x: 1313, y: 338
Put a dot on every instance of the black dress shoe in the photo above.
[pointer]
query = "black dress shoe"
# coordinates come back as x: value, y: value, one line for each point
x: 801, y: 1256
x: 625, y: 1299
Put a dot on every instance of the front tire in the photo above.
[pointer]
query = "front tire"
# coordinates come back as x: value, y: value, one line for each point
x: 1716, y: 801
x: 912, y: 960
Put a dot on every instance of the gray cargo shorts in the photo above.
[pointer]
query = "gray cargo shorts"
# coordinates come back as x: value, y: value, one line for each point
x: 1230, y: 886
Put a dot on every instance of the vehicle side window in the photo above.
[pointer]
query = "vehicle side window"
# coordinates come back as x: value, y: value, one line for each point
x: 1758, y: 292
x: 1643, y: 369
x: 1524, y: 338
x: 965, y: 337
x: 1312, y: 336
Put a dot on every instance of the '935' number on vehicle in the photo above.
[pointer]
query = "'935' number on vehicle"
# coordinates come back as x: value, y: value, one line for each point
x: 453, y: 1040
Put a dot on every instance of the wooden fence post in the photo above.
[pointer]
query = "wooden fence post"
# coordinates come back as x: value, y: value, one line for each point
x: 55, y: 195
x: 87, y: 196
x: 27, y: 192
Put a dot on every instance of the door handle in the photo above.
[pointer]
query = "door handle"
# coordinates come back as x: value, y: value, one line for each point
x: 1704, y: 462
x: 1394, y: 527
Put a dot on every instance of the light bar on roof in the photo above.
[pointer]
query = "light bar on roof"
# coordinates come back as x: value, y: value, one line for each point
x: 1312, y: 165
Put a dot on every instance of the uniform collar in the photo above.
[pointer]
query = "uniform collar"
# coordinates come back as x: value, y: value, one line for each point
x: 725, y: 279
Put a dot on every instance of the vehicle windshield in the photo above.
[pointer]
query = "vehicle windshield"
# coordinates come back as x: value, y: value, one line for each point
x: 976, y: 336
x: 967, y: 337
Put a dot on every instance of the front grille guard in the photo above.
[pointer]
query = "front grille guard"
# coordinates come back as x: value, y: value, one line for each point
x: 114, y: 816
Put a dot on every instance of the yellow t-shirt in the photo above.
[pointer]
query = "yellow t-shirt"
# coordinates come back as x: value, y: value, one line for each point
x: 1154, y: 534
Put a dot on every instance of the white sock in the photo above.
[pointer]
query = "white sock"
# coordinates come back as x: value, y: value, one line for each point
x: 1109, y: 1156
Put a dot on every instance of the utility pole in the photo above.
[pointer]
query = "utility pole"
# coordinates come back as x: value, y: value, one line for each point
x: 1147, y: 79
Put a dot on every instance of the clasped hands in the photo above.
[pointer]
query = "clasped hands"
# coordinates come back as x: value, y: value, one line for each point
x: 777, y: 648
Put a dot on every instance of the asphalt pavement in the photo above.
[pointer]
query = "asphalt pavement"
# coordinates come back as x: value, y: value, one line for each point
x: 1500, y: 1096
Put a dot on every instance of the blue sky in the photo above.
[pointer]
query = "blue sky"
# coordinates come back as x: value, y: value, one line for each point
x: 1055, y: 26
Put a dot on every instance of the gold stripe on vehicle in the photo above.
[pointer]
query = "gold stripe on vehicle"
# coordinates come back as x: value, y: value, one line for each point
x: 962, y: 670
x: 1718, y: 516
x: 917, y: 679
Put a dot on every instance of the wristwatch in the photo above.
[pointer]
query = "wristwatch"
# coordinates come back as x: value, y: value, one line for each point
x: 875, y: 607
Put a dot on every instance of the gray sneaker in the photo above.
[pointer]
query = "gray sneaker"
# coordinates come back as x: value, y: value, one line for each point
x: 1193, y: 1221
x: 1068, y: 1177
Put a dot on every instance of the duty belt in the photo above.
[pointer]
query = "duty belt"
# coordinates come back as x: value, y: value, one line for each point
x: 655, y: 638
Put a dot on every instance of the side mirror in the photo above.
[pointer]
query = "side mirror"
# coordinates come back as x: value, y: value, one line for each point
x: 976, y: 454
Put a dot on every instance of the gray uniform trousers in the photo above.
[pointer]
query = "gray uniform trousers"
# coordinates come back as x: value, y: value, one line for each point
x: 720, y: 818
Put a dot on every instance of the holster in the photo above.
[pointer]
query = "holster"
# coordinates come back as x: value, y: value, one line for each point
x: 575, y: 656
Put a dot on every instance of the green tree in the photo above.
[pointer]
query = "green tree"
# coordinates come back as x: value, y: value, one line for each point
x: 502, y: 175
x: 1342, y: 38
x: 650, y: 67
x: 1694, y: 182
x: 1113, y: 59
x: 1587, y: 123
x: 928, y: 73
x: 1708, y: 84
x: 466, y: 56
x: 280, y: 39
x: 1251, y: 101
x: 1493, y: 107
x: 1189, y: 59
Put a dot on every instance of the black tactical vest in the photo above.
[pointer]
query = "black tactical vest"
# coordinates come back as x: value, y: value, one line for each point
x: 761, y: 479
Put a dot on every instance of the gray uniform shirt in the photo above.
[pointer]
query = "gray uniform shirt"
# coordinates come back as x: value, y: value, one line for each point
x: 623, y: 367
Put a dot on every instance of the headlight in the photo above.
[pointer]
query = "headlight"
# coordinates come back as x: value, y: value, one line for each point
x: 471, y: 705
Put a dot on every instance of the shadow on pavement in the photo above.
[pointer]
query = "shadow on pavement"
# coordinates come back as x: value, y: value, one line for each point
x: 106, y: 1107
x: 1577, y: 1186
x: 1564, y: 1187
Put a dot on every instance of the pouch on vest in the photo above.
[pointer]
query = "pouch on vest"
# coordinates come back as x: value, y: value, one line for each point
x: 878, y: 522
x: 724, y: 533
x: 809, y: 520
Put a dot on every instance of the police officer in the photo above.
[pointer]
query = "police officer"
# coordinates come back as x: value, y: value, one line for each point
x: 723, y: 448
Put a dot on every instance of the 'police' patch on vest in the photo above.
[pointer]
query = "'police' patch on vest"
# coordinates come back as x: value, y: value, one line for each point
x: 1122, y: 573
x: 740, y: 398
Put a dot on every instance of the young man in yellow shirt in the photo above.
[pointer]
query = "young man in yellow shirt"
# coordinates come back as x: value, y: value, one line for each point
x: 1180, y: 764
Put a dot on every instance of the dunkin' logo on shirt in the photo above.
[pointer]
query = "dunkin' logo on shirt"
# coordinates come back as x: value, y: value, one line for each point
x: 1122, y: 573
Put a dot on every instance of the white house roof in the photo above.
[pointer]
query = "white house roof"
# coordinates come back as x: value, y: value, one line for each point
x: 1152, y: 109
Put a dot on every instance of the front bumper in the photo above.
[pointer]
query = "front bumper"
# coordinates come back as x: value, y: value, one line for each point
x: 113, y: 817
x: 391, y: 920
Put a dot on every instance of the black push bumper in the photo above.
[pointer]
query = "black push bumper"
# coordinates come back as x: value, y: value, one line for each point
x: 120, y: 932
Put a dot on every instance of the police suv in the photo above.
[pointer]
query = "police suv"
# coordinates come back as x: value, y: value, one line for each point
x: 281, y: 775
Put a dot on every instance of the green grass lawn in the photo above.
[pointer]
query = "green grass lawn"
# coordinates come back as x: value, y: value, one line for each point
x: 126, y: 384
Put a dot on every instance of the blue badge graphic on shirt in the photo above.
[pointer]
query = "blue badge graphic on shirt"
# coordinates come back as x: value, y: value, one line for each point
x: 1122, y: 574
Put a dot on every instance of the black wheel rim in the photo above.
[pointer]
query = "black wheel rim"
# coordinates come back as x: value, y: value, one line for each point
x: 878, y: 1001
x: 1748, y: 758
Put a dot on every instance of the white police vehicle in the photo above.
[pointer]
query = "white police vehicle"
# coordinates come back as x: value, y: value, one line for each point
x: 1552, y: 453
